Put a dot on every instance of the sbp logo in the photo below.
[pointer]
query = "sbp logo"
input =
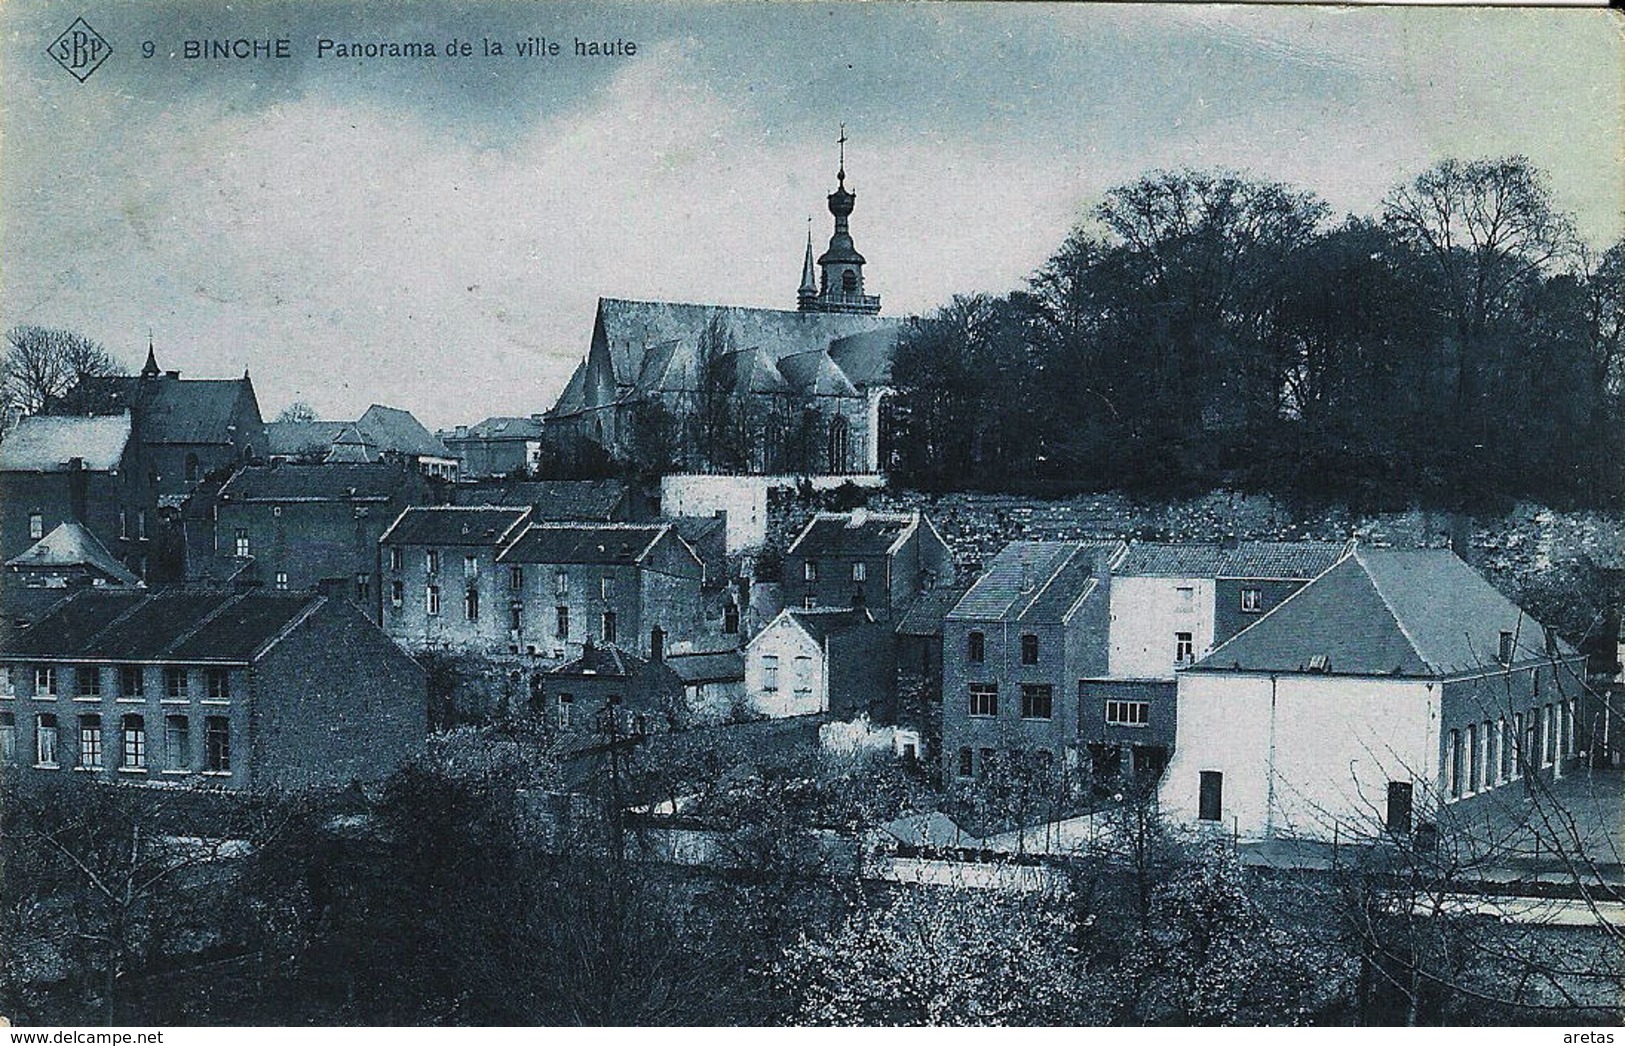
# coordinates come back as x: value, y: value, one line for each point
x: 80, y: 50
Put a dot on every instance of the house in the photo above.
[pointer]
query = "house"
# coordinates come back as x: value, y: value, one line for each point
x: 713, y: 683
x: 1170, y: 604
x: 379, y: 434
x: 187, y: 428
x: 497, y: 446
x: 806, y: 662
x: 236, y: 690
x: 1390, y: 688
x: 441, y: 584
x: 86, y: 470
x: 635, y: 586
x: 607, y: 690
x: 300, y: 525
x: 1015, y: 646
x: 865, y: 559
x: 65, y: 560
x: 734, y: 389
x: 558, y: 500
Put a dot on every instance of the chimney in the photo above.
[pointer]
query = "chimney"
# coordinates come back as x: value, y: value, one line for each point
x: 78, y: 489
x: 657, y: 645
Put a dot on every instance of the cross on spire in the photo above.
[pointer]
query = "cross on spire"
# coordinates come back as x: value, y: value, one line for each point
x: 840, y: 174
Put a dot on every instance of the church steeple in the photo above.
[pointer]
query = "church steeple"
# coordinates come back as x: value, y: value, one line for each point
x: 150, y: 368
x: 809, y: 275
x: 840, y: 287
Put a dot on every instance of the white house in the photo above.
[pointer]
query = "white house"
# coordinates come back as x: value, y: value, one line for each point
x: 809, y: 661
x: 1390, y: 688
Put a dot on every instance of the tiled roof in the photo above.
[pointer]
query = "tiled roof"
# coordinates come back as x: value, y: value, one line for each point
x: 1036, y: 579
x: 1388, y: 612
x: 393, y: 429
x: 173, y: 624
x: 719, y: 667
x: 71, y: 545
x: 1286, y: 560
x: 338, y: 482
x: 46, y: 443
x: 553, y: 499
x: 454, y: 525
x: 850, y: 534
x: 583, y: 543
x: 821, y: 624
x: 172, y: 410
x: 925, y: 614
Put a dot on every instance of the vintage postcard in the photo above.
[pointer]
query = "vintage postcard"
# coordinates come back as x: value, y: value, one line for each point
x: 610, y: 514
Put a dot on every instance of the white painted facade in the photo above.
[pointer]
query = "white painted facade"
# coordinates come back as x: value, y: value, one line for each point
x: 1301, y: 753
x: 743, y: 498
x: 785, y: 674
x: 1147, y: 614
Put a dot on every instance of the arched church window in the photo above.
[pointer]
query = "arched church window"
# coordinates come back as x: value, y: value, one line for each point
x: 839, y: 444
x: 849, y: 282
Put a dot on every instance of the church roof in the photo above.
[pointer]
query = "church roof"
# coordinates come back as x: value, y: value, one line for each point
x: 171, y: 410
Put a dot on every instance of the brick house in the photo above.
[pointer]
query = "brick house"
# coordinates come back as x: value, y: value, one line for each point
x: 632, y: 585
x: 240, y: 690
x: 807, y: 662
x: 1014, y: 648
x: 1395, y: 686
x: 865, y: 559
x: 84, y: 470
x: 644, y: 695
x: 441, y: 584
x: 305, y: 524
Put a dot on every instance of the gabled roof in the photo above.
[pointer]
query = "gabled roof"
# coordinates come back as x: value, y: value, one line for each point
x: 552, y: 499
x: 600, y: 659
x: 71, y: 545
x: 290, y: 438
x: 722, y: 666
x: 1281, y: 560
x: 334, y: 482
x: 604, y: 543
x: 498, y: 428
x: 47, y: 442
x: 483, y: 525
x: 172, y: 409
x: 1419, y: 613
x: 207, y: 625
x: 393, y: 429
x: 853, y: 533
x: 1033, y: 580
x: 821, y: 624
x: 925, y: 614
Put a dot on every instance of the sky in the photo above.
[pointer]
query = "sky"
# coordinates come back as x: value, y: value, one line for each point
x: 434, y: 233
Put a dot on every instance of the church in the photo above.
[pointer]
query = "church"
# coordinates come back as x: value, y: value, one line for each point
x: 733, y: 389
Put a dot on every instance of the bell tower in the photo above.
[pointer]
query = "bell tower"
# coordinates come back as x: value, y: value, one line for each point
x: 840, y: 275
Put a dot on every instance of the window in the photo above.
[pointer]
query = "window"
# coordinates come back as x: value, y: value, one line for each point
x: 132, y: 682
x: 1184, y: 648
x: 363, y: 587
x: 1472, y: 758
x: 561, y: 583
x: 241, y: 543
x: 565, y: 703
x: 431, y: 600
x: 123, y: 523
x: 1520, y: 745
x: 282, y: 580
x: 809, y: 570
x: 802, y: 669
x: 860, y: 571
x: 516, y: 616
x: 976, y: 648
x: 177, y: 743
x: 967, y: 762
x: 191, y: 468
x: 562, y: 630
x: 984, y: 699
x: 770, y: 671
x: 90, y: 742
x: 1573, y: 740
x: 730, y: 619
x: 809, y: 602
x: 45, y: 741
x: 36, y: 525
x: 1505, y: 653
x: 657, y: 643
x: 395, y: 558
x: 471, y: 566
x: 1037, y: 701
x: 7, y: 687
x: 606, y: 588
x: 89, y: 681
x: 1549, y: 748
x: 471, y: 603
x: 1128, y: 713
x: 1210, y: 796
x: 1252, y: 601
x: 986, y: 760
x: 1507, y: 745
x: 141, y: 525
x: 516, y: 578
x: 1453, y: 756
x: 1399, y: 806
x: 431, y: 561
x: 1029, y: 649
x: 397, y: 594
x: 45, y: 681
x: 219, y: 684
x: 609, y: 626
x: 175, y: 682
x: 217, y: 745
x: 134, y: 729
x: 8, y: 737
x: 1185, y: 600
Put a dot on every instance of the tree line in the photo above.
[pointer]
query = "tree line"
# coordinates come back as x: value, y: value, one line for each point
x: 1460, y: 349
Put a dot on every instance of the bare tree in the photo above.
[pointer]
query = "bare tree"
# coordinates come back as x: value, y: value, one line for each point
x: 42, y: 363
x: 298, y: 413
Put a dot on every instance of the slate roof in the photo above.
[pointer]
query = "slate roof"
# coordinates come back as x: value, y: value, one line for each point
x: 454, y: 525
x: 821, y: 624
x: 172, y: 410
x: 1032, y: 580
x: 1283, y: 560
x: 552, y: 499
x: 300, y: 483
x: 291, y: 438
x: 71, y: 545
x: 498, y: 428
x: 46, y: 442
x: 167, y: 625
x: 1420, y: 613
x: 393, y: 429
x: 722, y: 666
x: 925, y: 614
x: 851, y: 534
x: 600, y: 659
x: 584, y: 543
